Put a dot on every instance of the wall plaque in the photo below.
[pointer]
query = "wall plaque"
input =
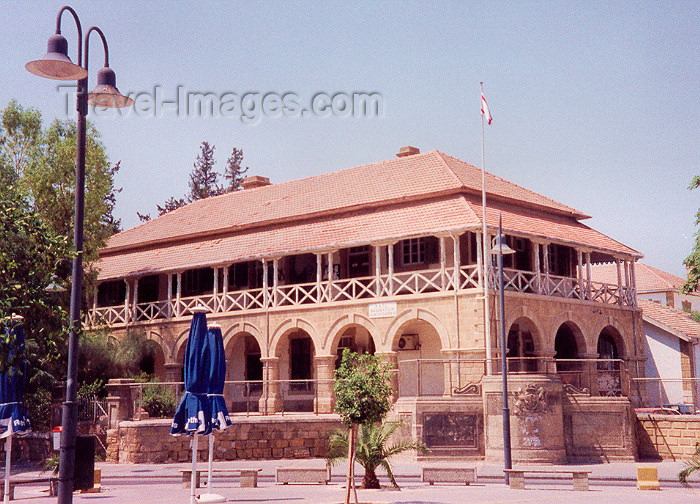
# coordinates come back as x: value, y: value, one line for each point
x: 450, y: 430
x: 382, y: 310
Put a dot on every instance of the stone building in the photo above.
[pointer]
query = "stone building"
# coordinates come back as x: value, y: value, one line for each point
x: 386, y: 258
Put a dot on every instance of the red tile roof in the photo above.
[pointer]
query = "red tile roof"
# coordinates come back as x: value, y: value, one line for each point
x: 648, y: 278
x: 667, y: 317
x: 394, y: 180
x: 416, y: 195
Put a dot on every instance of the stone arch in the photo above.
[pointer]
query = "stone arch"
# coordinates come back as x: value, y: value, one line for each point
x: 569, y: 344
x: 524, y: 341
x: 613, y: 335
x: 334, y: 333
x: 415, y: 314
x: 244, y: 368
x: 239, y: 328
x: 153, y: 359
x: 178, y: 350
x: 289, y: 325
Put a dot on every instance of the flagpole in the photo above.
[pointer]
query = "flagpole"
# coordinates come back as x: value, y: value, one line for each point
x: 484, y: 252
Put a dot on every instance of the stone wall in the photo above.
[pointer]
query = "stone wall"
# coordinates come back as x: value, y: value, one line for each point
x: 257, y: 437
x: 667, y: 437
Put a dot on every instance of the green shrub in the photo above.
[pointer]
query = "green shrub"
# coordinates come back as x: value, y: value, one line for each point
x: 159, y: 401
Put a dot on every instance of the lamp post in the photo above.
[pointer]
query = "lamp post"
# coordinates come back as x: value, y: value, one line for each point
x: 57, y: 65
x: 499, y: 248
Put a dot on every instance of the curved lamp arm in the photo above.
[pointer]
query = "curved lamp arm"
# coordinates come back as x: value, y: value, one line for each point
x: 78, y: 25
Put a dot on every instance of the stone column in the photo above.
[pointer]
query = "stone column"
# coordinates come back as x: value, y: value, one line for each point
x: 173, y: 372
x: 323, y: 398
x: 536, y: 419
x: 119, y: 402
x: 270, y: 401
x: 392, y: 359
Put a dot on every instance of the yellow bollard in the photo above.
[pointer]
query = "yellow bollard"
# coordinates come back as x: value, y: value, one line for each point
x: 648, y: 478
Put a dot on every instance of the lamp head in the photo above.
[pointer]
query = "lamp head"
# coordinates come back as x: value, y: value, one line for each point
x: 500, y: 246
x: 106, y: 93
x: 54, y: 285
x: 56, y: 64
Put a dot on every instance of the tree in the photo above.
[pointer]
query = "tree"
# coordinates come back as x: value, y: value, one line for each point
x: 203, y: 179
x: 692, y: 262
x: 362, y: 396
x: 234, y: 171
x: 373, y: 450
x: 692, y: 465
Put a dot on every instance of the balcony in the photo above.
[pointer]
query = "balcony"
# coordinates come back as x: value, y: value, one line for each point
x: 389, y: 285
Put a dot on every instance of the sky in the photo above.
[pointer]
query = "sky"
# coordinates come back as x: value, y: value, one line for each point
x: 594, y: 104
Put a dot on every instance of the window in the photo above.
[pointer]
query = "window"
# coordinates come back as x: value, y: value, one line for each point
x: 413, y: 251
x: 148, y: 289
x: 358, y: 261
x: 197, y: 281
x: 111, y: 293
x: 238, y: 276
x: 300, y: 363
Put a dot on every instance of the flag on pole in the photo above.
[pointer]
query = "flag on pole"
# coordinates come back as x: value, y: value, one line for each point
x: 485, y: 109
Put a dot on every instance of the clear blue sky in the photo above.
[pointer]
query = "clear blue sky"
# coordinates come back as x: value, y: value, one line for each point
x: 595, y: 104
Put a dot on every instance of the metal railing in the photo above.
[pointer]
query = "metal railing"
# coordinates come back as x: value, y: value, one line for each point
x: 456, y: 377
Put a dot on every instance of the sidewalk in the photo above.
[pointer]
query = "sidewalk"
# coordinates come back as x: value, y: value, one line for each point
x: 161, y: 484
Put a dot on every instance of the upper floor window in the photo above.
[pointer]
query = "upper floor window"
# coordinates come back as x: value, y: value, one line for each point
x: 413, y: 251
x: 111, y: 293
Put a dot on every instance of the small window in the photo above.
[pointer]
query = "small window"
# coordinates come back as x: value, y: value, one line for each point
x: 413, y: 251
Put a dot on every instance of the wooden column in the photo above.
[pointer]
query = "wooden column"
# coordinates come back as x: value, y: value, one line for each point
x: 456, y: 256
x: 588, y: 274
x: 330, y: 276
x: 545, y: 250
x: 619, y: 281
x: 224, y: 290
x: 633, y: 279
x: 135, y: 300
x: 170, y: 295
x: 479, y: 261
x: 265, y: 283
x: 443, y: 263
x: 275, y: 277
x: 319, y: 275
x: 390, y: 252
x: 579, y: 273
x: 216, y: 291
x: 538, y: 267
x: 627, y: 279
x: 126, y: 300
x: 377, y: 270
x: 178, y: 294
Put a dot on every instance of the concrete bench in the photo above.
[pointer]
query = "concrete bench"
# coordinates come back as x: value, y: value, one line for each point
x: 53, y: 485
x: 287, y: 475
x: 517, y: 477
x: 464, y: 475
x: 249, y: 477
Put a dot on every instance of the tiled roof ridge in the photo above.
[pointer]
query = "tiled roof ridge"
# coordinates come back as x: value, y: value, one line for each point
x: 555, y: 204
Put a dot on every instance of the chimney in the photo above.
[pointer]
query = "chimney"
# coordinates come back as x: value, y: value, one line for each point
x: 254, y: 181
x: 408, y: 151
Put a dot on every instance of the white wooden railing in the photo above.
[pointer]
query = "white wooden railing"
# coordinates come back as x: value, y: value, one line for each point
x: 353, y: 289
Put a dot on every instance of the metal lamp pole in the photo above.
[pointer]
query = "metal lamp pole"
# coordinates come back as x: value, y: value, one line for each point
x: 500, y: 248
x: 57, y: 65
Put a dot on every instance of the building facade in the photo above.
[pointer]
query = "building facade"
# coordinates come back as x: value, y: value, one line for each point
x: 387, y: 258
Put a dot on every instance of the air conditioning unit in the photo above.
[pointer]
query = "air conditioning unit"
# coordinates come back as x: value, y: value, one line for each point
x: 409, y: 342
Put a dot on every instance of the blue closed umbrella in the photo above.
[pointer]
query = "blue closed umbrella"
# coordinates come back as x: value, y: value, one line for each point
x: 193, y: 413
x: 13, y: 416
x: 220, y: 418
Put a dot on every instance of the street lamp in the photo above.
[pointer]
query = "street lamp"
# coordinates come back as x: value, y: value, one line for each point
x: 57, y: 65
x: 499, y: 248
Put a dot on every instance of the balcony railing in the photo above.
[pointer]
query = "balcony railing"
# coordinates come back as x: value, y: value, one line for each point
x: 353, y: 289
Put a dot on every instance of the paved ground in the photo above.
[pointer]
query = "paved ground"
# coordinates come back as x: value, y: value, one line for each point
x: 161, y: 484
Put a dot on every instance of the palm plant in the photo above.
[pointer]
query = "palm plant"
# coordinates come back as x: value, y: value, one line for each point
x: 692, y: 465
x: 373, y: 450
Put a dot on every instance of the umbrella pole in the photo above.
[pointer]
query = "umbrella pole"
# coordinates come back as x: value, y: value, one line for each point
x: 193, y: 479
x: 211, y: 460
x: 8, y: 463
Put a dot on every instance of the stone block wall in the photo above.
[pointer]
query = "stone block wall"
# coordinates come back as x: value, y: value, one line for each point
x: 252, y: 438
x: 667, y: 437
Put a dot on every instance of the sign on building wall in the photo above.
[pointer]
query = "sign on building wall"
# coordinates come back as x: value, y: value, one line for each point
x: 382, y: 310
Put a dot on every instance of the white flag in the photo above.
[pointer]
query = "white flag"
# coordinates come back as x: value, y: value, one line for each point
x: 485, y: 109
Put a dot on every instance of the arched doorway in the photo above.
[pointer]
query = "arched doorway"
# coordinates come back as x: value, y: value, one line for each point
x: 610, y: 349
x: 357, y: 339
x: 521, y: 347
x: 419, y: 359
x: 567, y: 347
x: 296, y: 353
x: 153, y: 360
x: 244, y: 368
